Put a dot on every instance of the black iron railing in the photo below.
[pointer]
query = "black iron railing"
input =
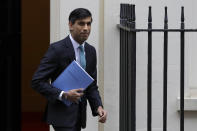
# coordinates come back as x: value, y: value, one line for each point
x: 128, y: 67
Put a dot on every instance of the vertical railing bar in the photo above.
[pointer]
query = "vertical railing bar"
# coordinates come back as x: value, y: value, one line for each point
x: 124, y: 68
x: 129, y: 67
x: 127, y: 70
x: 124, y: 71
x: 121, y: 70
x: 165, y: 72
x: 182, y: 51
x: 149, y: 68
x: 133, y: 73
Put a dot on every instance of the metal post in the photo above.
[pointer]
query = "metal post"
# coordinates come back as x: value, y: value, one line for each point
x: 126, y: 69
x: 133, y: 73
x: 165, y: 71
x: 182, y: 51
x: 130, y: 64
x: 121, y: 69
x: 149, y: 68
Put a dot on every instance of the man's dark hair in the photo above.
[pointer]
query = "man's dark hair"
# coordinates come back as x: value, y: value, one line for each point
x: 79, y: 13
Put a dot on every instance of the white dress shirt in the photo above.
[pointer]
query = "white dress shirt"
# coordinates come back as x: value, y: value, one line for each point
x: 77, y: 58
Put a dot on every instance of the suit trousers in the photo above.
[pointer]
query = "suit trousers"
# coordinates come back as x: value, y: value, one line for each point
x: 75, y: 128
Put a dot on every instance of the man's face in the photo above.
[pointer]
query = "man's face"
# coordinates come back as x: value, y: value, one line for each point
x: 80, y: 30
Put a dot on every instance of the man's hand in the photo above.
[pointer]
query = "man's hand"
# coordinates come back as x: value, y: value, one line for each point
x: 73, y: 95
x: 102, y: 114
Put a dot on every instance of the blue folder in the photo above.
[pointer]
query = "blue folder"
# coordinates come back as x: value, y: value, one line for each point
x: 73, y: 77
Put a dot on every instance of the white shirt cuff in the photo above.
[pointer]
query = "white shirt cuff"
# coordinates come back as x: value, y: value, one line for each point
x: 60, y: 96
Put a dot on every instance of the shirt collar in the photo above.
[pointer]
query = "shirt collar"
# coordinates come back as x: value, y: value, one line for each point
x: 75, y: 43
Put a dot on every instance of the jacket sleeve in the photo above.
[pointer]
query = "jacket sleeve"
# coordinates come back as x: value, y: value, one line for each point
x: 40, y: 80
x: 92, y: 93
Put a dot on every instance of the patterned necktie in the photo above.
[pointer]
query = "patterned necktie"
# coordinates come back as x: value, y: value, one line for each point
x: 82, y: 57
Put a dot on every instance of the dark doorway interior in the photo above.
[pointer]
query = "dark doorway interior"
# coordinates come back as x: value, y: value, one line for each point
x: 24, y: 38
x: 35, y: 40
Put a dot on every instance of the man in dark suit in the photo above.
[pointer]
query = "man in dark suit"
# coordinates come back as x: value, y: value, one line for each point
x: 59, y: 55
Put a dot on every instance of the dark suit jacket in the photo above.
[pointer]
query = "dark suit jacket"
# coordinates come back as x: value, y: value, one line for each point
x: 59, y: 55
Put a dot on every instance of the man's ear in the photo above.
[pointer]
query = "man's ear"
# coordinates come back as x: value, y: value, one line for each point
x: 70, y: 26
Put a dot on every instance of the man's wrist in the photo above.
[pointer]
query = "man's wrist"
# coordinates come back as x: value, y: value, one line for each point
x: 64, y: 95
x: 99, y: 107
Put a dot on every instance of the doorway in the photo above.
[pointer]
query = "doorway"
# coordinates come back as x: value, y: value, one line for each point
x: 35, y: 39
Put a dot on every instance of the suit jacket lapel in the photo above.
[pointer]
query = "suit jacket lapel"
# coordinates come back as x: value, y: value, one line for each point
x: 69, y: 49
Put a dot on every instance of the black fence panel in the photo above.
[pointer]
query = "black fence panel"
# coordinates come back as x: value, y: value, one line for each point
x: 128, y: 67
